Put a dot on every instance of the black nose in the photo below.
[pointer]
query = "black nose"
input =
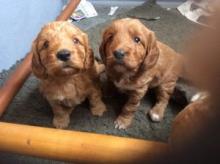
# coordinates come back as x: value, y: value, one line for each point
x: 119, y: 54
x: 63, y: 55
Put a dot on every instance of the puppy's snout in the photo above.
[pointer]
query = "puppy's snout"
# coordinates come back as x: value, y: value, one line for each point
x: 119, y: 54
x: 63, y: 55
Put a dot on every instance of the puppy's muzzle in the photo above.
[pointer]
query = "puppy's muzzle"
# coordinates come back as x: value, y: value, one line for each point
x: 119, y: 54
x: 63, y: 55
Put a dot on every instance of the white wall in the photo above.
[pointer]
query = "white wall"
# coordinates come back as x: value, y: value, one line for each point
x: 20, y: 22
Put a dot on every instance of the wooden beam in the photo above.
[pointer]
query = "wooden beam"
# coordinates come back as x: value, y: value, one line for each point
x: 18, y: 77
x: 67, y: 12
x: 76, y: 146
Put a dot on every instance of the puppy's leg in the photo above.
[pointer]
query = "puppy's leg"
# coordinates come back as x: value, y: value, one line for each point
x: 125, y: 118
x: 163, y: 95
x: 61, y: 117
x: 97, y: 105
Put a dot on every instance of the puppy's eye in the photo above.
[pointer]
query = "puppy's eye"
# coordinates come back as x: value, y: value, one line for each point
x: 137, y: 39
x: 76, y: 41
x: 46, y: 44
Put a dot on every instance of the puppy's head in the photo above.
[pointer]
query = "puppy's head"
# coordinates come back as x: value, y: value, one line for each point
x: 60, y: 49
x: 127, y: 45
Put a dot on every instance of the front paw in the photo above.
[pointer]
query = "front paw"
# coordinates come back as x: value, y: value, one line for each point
x: 155, y: 115
x: 123, y: 122
x: 61, y: 122
x: 99, y: 109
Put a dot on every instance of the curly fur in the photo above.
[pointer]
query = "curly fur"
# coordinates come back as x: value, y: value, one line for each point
x: 66, y: 84
x: 147, y: 63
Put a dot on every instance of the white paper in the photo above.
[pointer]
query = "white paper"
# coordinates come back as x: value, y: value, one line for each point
x: 113, y: 10
x: 194, y: 10
x: 87, y: 8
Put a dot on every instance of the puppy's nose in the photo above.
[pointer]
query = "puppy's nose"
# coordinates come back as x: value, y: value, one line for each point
x: 63, y: 55
x: 119, y: 54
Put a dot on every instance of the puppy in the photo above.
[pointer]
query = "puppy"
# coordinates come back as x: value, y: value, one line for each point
x: 64, y: 62
x: 136, y: 61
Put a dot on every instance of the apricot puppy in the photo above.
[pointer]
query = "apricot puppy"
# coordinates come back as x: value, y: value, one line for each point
x: 65, y: 65
x: 136, y: 61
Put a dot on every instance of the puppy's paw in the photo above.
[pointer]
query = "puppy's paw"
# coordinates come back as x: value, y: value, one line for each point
x: 61, y: 122
x: 122, y: 122
x: 155, y: 115
x: 99, y: 109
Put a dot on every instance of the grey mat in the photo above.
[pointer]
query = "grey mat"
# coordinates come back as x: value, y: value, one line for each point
x: 30, y: 108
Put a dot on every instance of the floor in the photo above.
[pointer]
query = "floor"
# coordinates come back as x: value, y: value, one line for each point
x: 103, y: 16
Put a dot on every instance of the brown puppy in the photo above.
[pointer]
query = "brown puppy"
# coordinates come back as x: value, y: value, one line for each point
x: 64, y: 62
x: 136, y: 61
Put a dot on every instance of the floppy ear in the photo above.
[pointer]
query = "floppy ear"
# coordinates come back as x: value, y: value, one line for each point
x: 89, y: 57
x: 38, y: 68
x: 89, y: 61
x: 152, y: 51
x: 103, y: 46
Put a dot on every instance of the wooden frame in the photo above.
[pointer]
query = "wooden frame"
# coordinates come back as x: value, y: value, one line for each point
x: 62, y: 144
x: 76, y: 146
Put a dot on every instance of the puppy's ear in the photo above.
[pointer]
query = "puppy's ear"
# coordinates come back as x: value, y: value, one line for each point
x: 103, y: 46
x: 38, y: 68
x: 152, y: 51
x: 89, y: 57
x: 89, y: 61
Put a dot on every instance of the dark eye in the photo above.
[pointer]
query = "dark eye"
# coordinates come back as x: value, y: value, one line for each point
x: 76, y: 41
x: 137, y: 39
x: 46, y: 44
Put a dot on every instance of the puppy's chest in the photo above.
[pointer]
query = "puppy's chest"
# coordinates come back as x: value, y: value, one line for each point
x: 127, y: 84
x: 68, y: 94
x: 124, y: 85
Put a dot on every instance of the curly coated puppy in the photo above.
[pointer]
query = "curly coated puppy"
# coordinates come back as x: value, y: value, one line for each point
x: 64, y: 62
x: 135, y: 61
